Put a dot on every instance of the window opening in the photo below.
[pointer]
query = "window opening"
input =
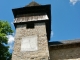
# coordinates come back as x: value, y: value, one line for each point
x: 30, y: 25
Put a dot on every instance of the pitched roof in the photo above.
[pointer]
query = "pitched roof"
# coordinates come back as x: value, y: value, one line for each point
x: 33, y: 3
x: 58, y: 43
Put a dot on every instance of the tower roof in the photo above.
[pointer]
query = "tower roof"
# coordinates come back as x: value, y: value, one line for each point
x: 33, y: 8
x: 33, y: 3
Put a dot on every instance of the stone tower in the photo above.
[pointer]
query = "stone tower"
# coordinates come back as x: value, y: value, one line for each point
x: 33, y: 28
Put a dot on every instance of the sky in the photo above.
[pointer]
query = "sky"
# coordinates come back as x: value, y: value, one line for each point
x: 65, y: 18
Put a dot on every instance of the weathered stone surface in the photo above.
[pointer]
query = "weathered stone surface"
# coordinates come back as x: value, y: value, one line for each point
x: 42, y: 52
x: 65, y: 53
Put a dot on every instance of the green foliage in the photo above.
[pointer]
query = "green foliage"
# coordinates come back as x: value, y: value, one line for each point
x: 5, y: 30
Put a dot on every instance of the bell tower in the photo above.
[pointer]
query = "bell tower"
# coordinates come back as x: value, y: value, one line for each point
x: 33, y: 28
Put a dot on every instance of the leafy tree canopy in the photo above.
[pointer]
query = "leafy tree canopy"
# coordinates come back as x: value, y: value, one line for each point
x: 5, y: 30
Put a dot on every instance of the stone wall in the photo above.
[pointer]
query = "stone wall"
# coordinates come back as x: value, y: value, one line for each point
x: 42, y: 52
x: 65, y: 52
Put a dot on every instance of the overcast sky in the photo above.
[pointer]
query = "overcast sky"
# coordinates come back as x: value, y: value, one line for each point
x: 65, y: 17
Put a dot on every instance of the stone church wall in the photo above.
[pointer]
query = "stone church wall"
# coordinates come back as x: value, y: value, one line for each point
x: 65, y: 52
x: 42, y: 52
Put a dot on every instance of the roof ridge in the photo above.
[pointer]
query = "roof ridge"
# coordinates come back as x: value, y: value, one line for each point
x: 33, y: 3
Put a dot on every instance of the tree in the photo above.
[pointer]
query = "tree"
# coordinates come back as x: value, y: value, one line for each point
x: 5, y: 30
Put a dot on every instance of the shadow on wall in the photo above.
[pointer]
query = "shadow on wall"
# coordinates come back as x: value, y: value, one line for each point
x: 55, y: 43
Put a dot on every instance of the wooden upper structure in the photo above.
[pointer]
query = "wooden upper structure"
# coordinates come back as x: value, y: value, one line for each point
x: 28, y: 14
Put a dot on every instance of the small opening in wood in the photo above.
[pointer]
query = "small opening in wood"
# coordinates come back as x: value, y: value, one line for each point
x: 30, y: 25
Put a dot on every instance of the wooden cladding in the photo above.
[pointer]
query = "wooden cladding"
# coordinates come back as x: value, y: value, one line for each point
x: 31, y: 18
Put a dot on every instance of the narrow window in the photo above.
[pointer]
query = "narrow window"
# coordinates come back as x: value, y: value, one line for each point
x: 30, y: 25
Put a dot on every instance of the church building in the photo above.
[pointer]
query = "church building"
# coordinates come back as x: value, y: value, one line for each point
x: 33, y: 29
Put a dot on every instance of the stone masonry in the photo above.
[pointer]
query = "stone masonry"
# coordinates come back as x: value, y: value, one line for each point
x: 42, y: 53
x: 65, y: 52
x: 35, y: 20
